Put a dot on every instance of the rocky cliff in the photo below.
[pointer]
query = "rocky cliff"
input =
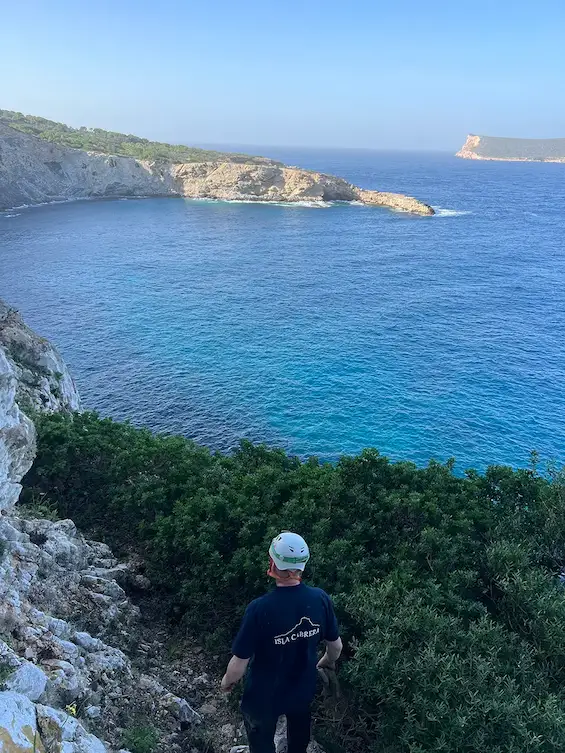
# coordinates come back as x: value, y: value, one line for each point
x: 34, y: 171
x: 62, y: 599
x: 32, y: 377
x: 42, y: 379
x: 512, y: 150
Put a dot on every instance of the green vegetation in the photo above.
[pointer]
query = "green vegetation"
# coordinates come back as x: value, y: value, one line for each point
x: 5, y: 672
x: 142, y: 739
x: 37, y: 506
x: 447, y: 587
x: 110, y: 142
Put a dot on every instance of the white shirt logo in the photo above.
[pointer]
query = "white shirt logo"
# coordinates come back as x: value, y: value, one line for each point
x: 304, y: 629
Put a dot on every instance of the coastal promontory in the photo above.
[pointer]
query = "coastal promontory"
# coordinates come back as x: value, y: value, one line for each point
x: 512, y: 150
x: 38, y: 166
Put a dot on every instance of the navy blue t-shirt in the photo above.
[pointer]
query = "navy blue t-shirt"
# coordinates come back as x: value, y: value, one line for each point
x: 280, y: 633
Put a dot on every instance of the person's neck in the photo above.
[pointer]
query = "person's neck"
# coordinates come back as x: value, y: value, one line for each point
x: 288, y: 583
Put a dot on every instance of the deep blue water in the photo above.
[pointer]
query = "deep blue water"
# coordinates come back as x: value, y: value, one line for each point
x: 320, y: 330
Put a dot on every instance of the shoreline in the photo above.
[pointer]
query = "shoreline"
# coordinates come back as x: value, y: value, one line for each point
x: 303, y: 204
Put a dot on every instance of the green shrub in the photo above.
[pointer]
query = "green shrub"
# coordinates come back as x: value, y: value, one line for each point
x: 142, y: 739
x: 446, y: 587
x: 111, y: 142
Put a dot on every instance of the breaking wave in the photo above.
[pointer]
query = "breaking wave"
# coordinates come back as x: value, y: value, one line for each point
x: 442, y: 212
x: 308, y: 204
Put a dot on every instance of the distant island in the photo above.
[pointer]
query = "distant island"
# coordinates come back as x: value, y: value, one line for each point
x: 43, y: 161
x: 512, y: 150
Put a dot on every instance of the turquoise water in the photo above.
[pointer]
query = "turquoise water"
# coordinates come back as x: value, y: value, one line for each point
x: 322, y: 330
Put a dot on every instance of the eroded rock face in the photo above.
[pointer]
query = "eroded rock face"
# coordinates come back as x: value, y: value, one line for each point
x: 33, y: 376
x: 27, y: 728
x: 232, y: 182
x: 63, y: 607
x: 17, y: 438
x: 42, y: 380
x: 62, y: 604
x: 33, y: 171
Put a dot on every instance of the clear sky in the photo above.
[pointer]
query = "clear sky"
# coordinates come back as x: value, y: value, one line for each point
x: 407, y: 75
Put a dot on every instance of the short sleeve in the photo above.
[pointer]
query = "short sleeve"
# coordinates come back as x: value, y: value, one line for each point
x: 244, y: 644
x: 332, y: 628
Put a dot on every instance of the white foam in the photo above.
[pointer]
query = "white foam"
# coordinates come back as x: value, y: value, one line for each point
x: 55, y: 201
x: 442, y: 212
x: 80, y: 198
x: 308, y: 204
x: 13, y: 214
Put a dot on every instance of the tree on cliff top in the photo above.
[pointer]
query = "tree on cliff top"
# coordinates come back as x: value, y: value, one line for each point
x: 110, y: 142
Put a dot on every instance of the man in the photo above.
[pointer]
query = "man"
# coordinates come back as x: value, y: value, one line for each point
x: 278, y: 639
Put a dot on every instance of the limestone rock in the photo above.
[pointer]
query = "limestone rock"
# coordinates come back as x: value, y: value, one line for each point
x: 234, y: 182
x: 61, y: 732
x: 396, y: 201
x: 33, y: 170
x: 17, y: 437
x: 28, y: 680
x: 18, y: 725
x: 180, y: 709
x: 43, y: 380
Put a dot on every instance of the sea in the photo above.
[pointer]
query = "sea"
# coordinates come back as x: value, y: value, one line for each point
x: 319, y: 329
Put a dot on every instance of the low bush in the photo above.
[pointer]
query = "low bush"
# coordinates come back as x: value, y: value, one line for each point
x: 111, y: 142
x: 140, y: 739
x: 447, y: 587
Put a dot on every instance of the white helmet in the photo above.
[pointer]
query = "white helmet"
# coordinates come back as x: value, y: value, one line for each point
x: 289, y: 551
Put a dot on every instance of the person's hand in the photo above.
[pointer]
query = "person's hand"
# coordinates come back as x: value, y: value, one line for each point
x: 226, y: 686
x: 326, y: 663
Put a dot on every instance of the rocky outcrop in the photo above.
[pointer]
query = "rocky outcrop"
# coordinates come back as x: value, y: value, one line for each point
x: 62, y: 602
x: 512, y: 150
x: 232, y: 182
x: 17, y: 438
x: 34, y: 171
x: 41, y: 378
x: 33, y: 377
x: 228, y: 181
x: 27, y: 728
x: 395, y: 201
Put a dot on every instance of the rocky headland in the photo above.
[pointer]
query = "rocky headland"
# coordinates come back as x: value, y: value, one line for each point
x: 34, y: 171
x: 512, y: 150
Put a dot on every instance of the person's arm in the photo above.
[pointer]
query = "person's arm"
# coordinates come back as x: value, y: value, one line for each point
x: 332, y: 654
x: 243, y: 649
x: 234, y: 673
x: 334, y: 646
